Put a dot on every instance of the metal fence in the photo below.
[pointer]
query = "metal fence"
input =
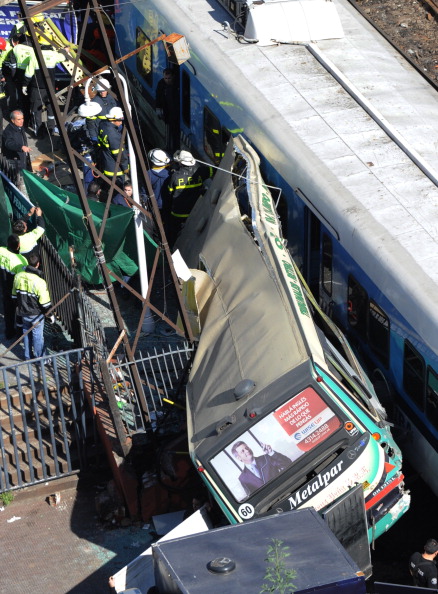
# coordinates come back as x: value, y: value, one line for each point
x: 46, y: 426
x: 9, y: 169
x: 76, y: 312
x: 163, y: 376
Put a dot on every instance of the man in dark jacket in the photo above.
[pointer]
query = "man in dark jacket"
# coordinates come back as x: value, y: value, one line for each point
x: 110, y: 144
x: 422, y: 566
x: 258, y: 470
x: 14, y: 142
x: 11, y: 262
x: 186, y: 184
x: 33, y: 300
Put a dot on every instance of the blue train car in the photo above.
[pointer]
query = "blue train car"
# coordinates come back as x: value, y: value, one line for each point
x: 345, y: 133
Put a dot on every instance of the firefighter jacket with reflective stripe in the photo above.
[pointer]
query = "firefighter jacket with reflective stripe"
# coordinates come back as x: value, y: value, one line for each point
x: 109, y: 140
x: 10, y: 264
x: 93, y: 123
x: 33, y: 75
x: 31, y: 292
x: 184, y: 188
x: 28, y: 241
x: 21, y: 55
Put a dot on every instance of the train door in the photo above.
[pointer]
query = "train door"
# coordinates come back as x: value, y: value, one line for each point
x: 168, y: 93
x: 312, y: 255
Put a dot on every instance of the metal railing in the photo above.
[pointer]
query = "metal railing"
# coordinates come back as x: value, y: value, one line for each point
x: 9, y: 169
x: 75, y: 313
x: 46, y: 425
x: 163, y: 376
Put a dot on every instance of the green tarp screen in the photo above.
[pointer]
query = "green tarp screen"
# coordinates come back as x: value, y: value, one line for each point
x: 65, y: 226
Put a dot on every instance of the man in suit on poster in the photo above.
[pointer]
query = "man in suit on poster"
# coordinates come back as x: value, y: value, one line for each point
x: 258, y: 470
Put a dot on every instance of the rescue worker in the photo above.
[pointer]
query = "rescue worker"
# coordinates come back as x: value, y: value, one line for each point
x: 159, y: 173
x: 81, y: 142
x: 3, y: 53
x: 186, y: 184
x: 33, y: 300
x: 106, y: 101
x: 20, y: 58
x: 29, y: 239
x: 110, y: 144
x: 35, y: 86
x: 14, y: 143
x: 7, y: 71
x: 11, y: 262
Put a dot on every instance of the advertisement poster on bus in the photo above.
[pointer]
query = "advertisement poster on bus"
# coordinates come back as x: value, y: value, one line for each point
x: 273, y: 444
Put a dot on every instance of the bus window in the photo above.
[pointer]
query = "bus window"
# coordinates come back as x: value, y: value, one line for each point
x: 357, y: 306
x: 144, y: 58
x: 212, y: 136
x: 327, y: 264
x: 413, y: 374
x: 378, y: 332
x: 432, y: 397
x: 185, y: 94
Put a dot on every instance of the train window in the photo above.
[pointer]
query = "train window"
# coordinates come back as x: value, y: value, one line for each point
x: 432, y: 397
x: 327, y: 264
x: 185, y: 93
x: 413, y: 374
x: 357, y: 306
x: 226, y: 135
x: 378, y: 332
x: 144, y: 58
x: 212, y: 136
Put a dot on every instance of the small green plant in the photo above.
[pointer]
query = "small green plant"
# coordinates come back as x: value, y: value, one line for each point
x: 279, y: 578
x: 6, y: 498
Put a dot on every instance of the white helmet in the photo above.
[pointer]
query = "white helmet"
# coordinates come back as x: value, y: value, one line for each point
x: 158, y: 157
x: 90, y: 109
x: 102, y: 85
x: 184, y: 157
x: 115, y: 113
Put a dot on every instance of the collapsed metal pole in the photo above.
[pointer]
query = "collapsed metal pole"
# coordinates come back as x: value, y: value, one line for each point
x: 98, y: 249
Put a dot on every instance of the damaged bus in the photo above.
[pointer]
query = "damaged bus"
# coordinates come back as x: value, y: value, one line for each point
x: 281, y: 415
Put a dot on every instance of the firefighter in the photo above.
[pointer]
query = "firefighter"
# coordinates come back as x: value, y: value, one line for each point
x: 34, y: 85
x: 110, y: 145
x: 33, y: 300
x: 106, y: 101
x: 11, y: 262
x: 158, y: 173
x: 186, y: 183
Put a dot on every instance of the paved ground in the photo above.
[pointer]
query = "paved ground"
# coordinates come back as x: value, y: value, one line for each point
x: 63, y: 549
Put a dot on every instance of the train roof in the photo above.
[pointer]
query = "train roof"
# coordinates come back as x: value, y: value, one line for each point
x: 314, y: 131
